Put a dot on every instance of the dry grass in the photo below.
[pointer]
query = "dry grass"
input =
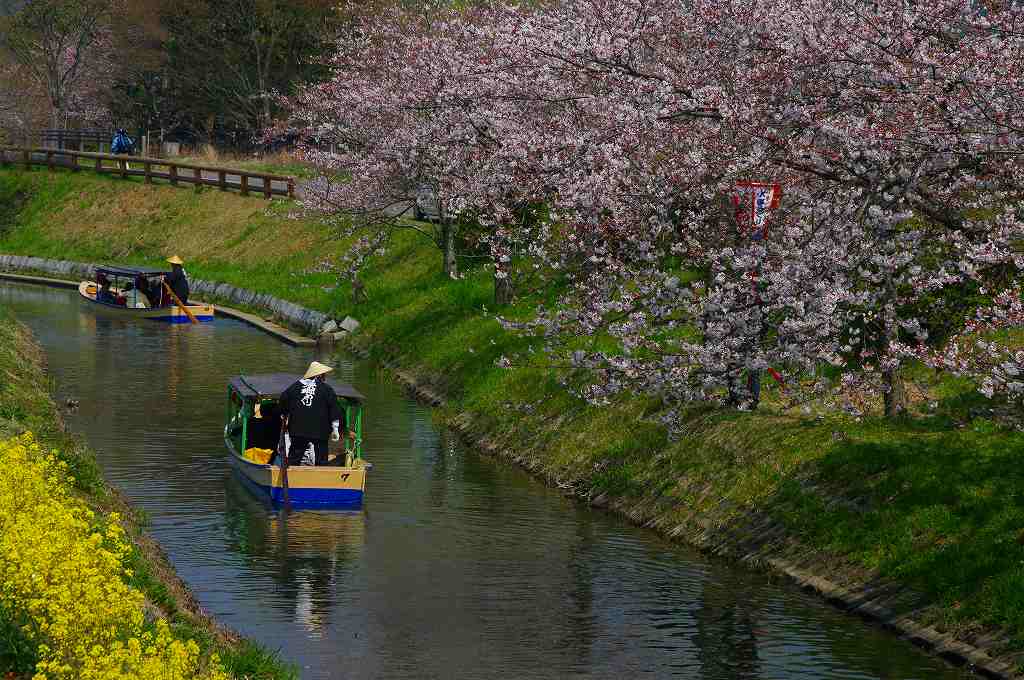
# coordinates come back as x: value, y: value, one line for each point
x: 155, y: 220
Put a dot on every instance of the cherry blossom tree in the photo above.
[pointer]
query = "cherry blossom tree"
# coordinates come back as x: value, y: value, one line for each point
x: 912, y: 105
x: 391, y: 135
x: 886, y: 113
x: 893, y: 128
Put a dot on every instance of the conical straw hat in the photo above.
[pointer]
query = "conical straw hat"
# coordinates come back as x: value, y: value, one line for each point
x: 174, y: 259
x: 315, y: 369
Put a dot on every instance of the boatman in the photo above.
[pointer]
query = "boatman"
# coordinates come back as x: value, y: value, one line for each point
x: 311, y: 410
x: 177, y: 279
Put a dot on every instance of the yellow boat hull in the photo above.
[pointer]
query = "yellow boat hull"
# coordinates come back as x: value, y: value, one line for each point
x: 323, y: 486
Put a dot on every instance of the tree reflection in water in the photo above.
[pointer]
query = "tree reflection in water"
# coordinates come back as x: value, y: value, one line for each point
x: 726, y: 633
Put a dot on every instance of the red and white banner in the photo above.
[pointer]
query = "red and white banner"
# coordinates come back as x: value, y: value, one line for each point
x: 752, y: 201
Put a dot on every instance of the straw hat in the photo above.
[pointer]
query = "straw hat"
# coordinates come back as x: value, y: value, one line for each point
x: 174, y: 259
x: 315, y: 369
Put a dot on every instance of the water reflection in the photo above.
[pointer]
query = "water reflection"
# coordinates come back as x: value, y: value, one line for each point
x: 726, y: 634
x: 313, y: 551
x: 458, y: 567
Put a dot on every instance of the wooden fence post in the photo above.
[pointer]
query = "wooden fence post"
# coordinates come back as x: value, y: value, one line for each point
x: 149, y: 175
x: 267, y: 186
x: 124, y: 167
x: 291, y: 187
x: 172, y: 170
x: 197, y: 177
x: 222, y: 180
x: 244, y: 183
x: 49, y: 161
x: 99, y: 166
x: 27, y: 156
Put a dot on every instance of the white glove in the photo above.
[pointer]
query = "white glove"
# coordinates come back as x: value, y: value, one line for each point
x: 335, y: 436
x: 287, y: 443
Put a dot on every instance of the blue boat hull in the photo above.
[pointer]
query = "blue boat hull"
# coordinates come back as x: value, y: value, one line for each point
x: 342, y: 489
x: 179, y: 319
x: 342, y: 499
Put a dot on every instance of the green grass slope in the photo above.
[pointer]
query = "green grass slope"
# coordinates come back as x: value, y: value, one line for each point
x: 933, y: 501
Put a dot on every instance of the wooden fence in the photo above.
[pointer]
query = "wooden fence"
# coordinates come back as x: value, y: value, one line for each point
x: 74, y: 139
x: 152, y: 168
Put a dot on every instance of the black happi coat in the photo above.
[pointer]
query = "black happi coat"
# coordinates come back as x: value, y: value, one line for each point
x: 178, y: 283
x: 311, y: 406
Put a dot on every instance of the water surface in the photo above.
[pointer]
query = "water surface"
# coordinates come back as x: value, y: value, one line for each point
x: 456, y: 567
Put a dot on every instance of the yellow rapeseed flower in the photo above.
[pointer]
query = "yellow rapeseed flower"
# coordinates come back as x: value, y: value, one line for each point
x: 62, y: 569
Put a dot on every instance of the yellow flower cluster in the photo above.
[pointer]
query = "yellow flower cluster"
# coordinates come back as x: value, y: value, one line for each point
x: 62, y: 575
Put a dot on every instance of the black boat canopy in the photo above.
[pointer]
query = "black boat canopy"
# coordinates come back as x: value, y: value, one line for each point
x: 131, y: 272
x: 271, y: 385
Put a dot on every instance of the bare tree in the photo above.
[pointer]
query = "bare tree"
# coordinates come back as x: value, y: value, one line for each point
x: 56, y: 42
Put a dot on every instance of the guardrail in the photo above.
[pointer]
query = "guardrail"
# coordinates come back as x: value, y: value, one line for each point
x: 150, y: 169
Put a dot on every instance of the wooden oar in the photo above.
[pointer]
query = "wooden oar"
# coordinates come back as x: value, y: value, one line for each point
x: 188, y: 313
x: 282, y: 451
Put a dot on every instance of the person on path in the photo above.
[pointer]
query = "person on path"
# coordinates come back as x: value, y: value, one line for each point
x: 121, y: 143
x: 311, y: 413
x: 177, y: 280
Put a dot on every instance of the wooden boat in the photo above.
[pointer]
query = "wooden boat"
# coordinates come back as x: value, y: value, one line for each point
x: 127, y: 301
x: 254, y: 425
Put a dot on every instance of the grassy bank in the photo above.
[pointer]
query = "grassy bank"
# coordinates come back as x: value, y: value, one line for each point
x: 26, y: 406
x: 931, y: 502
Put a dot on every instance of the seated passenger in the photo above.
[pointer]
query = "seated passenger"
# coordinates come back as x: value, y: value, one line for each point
x: 151, y: 290
x: 265, y: 426
x: 105, y: 294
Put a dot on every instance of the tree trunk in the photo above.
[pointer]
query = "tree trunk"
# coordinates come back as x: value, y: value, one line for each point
x: 895, y: 395
x: 503, y: 293
x: 358, y: 291
x: 262, y: 76
x: 451, y: 267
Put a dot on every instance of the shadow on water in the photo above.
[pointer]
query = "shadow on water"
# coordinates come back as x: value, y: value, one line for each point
x: 456, y: 567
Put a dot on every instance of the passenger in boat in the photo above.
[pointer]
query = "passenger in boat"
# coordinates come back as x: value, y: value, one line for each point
x: 177, y: 279
x: 310, y: 408
x: 104, y: 294
x: 265, y: 425
x: 150, y: 292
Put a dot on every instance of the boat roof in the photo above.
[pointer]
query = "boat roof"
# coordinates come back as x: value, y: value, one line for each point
x: 273, y: 384
x: 129, y: 271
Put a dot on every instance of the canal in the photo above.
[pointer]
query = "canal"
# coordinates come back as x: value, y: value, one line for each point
x: 456, y: 567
